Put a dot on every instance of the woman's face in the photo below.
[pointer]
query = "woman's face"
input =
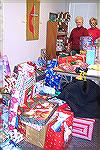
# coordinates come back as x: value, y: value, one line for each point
x: 93, y: 23
x: 79, y: 22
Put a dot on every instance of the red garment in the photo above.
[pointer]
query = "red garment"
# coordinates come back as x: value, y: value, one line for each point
x: 94, y: 32
x: 75, y: 35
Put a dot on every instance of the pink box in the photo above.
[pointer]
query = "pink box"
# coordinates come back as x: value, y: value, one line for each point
x: 83, y: 128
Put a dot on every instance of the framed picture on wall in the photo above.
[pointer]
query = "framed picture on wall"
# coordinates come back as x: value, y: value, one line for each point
x: 52, y: 16
x: 32, y: 19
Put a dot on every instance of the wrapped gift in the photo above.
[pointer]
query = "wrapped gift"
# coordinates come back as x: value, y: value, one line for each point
x: 67, y: 59
x: 13, y: 109
x: 6, y: 97
x: 52, y: 79
x: 21, y: 127
x: 59, y: 130
x: 9, y: 145
x: 4, y: 117
x: 30, y: 102
x: 36, y: 137
x: 9, y: 84
x: 26, y: 94
x: 1, y: 112
x: 81, y: 57
x: 90, y: 56
x: 85, y: 42
x: 62, y: 60
x: 40, y: 112
x: 83, y: 128
x: 52, y: 63
x: 26, y: 75
x: 6, y: 66
x: 3, y: 136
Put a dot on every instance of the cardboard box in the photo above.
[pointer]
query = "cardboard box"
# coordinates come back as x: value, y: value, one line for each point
x: 36, y: 137
x: 83, y: 128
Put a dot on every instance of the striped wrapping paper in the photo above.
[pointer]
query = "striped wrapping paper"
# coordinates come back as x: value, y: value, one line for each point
x: 83, y: 128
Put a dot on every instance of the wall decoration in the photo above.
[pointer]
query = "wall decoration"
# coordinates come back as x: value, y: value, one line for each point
x: 32, y: 19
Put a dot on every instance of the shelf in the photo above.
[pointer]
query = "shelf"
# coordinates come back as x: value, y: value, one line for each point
x: 62, y: 34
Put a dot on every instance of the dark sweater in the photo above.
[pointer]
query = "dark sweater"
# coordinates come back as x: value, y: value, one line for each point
x: 84, y: 99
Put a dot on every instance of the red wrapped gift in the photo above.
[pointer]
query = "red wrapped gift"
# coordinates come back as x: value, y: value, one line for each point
x: 29, y: 93
x: 81, y: 57
x: 71, y: 59
x: 21, y: 127
x: 62, y: 60
x: 55, y: 140
x: 66, y: 109
x: 67, y: 59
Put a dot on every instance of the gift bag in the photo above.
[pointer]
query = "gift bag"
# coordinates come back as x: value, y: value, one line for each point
x: 54, y: 140
x: 58, y: 131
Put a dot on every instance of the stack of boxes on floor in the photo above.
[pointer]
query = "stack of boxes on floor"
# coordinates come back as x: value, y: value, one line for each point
x: 33, y: 111
x: 42, y: 120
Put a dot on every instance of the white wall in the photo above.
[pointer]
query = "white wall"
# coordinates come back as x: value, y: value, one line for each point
x: 14, y: 30
x: 86, y: 10
x: 98, y: 13
x: 14, y: 26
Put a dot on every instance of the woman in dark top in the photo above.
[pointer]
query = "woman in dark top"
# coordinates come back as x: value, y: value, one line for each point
x: 76, y: 33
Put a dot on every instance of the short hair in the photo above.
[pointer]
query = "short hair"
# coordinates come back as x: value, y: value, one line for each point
x: 94, y: 20
x: 79, y: 18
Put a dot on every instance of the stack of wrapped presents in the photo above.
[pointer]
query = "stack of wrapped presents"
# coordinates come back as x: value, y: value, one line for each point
x: 43, y: 113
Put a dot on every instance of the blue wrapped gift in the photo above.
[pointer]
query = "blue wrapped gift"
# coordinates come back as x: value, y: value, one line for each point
x: 85, y: 42
x: 52, y: 79
x: 90, y: 55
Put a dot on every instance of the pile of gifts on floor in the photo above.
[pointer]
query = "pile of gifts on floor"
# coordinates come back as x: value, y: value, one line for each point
x: 32, y: 111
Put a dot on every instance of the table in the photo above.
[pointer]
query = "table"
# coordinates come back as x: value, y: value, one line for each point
x: 91, y: 74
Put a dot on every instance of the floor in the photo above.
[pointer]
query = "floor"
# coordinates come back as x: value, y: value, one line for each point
x: 76, y: 143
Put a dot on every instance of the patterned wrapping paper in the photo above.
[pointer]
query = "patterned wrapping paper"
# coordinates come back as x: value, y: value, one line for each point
x: 1, y: 111
x: 83, y: 128
x: 5, y: 64
x: 40, y: 112
x: 9, y: 84
x: 71, y: 68
x: 27, y: 94
x: 85, y: 42
x: 4, y: 116
x: 52, y: 79
x: 6, y: 99
x: 13, y: 109
x: 3, y: 136
x: 29, y: 103
x: 9, y: 145
x: 25, y: 80
x: 21, y: 127
x: 38, y: 120
x: 70, y: 59
x: 67, y: 59
x: 56, y: 140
